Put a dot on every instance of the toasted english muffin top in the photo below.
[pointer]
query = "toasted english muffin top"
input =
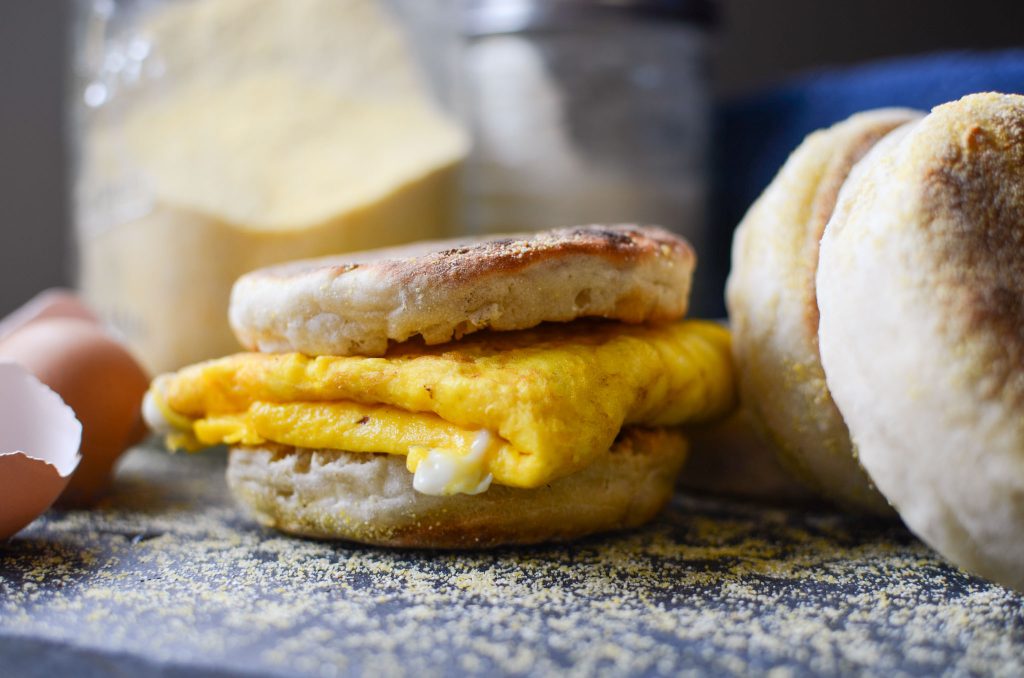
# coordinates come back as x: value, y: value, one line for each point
x: 357, y: 303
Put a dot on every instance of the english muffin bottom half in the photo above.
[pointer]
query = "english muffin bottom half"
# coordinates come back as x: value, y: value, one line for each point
x: 509, y: 424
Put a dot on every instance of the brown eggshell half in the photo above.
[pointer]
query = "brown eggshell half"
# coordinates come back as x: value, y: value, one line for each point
x: 55, y: 302
x: 39, y: 440
x: 98, y: 378
x: 28, y: 487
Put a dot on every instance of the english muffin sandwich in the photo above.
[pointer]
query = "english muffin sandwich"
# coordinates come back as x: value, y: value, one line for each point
x: 463, y: 394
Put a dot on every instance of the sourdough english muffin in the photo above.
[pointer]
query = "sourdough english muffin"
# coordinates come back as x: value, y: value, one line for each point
x: 773, y: 310
x: 426, y: 396
x: 357, y: 303
x: 920, y: 286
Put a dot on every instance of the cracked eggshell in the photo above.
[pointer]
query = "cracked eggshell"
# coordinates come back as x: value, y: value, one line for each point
x: 98, y: 379
x: 39, y: 440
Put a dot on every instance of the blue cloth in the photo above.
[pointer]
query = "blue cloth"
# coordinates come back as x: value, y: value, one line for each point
x: 756, y: 133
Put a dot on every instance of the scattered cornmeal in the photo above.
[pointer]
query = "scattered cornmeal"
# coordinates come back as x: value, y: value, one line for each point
x: 176, y: 574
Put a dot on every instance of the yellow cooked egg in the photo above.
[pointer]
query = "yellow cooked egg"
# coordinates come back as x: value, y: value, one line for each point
x: 519, y: 408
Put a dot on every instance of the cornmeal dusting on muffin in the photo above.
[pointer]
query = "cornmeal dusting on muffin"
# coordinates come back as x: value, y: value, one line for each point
x: 167, y: 569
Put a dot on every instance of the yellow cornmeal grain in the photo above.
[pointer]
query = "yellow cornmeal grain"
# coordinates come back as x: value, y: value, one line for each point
x: 710, y: 587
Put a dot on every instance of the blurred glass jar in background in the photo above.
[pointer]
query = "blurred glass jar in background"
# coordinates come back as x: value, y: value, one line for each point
x: 212, y: 137
x: 590, y: 111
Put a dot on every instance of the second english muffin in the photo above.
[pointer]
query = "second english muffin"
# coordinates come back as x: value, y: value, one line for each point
x: 773, y: 310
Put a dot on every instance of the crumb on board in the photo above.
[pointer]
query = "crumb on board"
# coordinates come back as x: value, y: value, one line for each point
x: 169, y: 570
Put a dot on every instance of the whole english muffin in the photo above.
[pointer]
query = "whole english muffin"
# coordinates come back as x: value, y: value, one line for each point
x: 920, y: 287
x: 370, y: 499
x: 773, y: 310
x: 357, y: 303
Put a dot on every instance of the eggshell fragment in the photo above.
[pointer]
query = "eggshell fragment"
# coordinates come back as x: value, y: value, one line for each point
x: 99, y: 379
x: 39, y: 440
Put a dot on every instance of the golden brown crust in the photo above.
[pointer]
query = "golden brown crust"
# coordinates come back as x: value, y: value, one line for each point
x: 972, y: 201
x: 458, y: 261
x: 329, y: 494
x: 357, y: 303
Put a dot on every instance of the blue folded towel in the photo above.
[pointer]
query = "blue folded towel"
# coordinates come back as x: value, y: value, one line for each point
x: 755, y: 134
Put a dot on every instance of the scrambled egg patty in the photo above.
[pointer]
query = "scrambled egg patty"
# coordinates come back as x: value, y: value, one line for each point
x: 545, y: 402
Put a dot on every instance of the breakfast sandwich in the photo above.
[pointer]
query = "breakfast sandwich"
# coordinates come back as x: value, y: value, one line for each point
x: 459, y: 394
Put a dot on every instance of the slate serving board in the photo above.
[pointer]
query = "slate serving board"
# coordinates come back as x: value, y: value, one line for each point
x: 168, y: 578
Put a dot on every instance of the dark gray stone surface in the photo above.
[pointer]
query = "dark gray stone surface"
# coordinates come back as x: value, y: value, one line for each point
x: 167, y: 578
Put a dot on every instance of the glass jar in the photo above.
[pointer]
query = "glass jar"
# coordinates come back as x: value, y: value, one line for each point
x: 212, y: 137
x: 590, y: 111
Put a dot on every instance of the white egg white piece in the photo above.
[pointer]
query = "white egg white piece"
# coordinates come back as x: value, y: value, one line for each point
x: 39, y: 447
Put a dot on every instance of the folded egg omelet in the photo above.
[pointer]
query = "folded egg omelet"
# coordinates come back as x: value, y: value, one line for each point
x: 520, y: 408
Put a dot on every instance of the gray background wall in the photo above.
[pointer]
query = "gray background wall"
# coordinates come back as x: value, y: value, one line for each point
x: 34, y: 251
x: 760, y: 41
